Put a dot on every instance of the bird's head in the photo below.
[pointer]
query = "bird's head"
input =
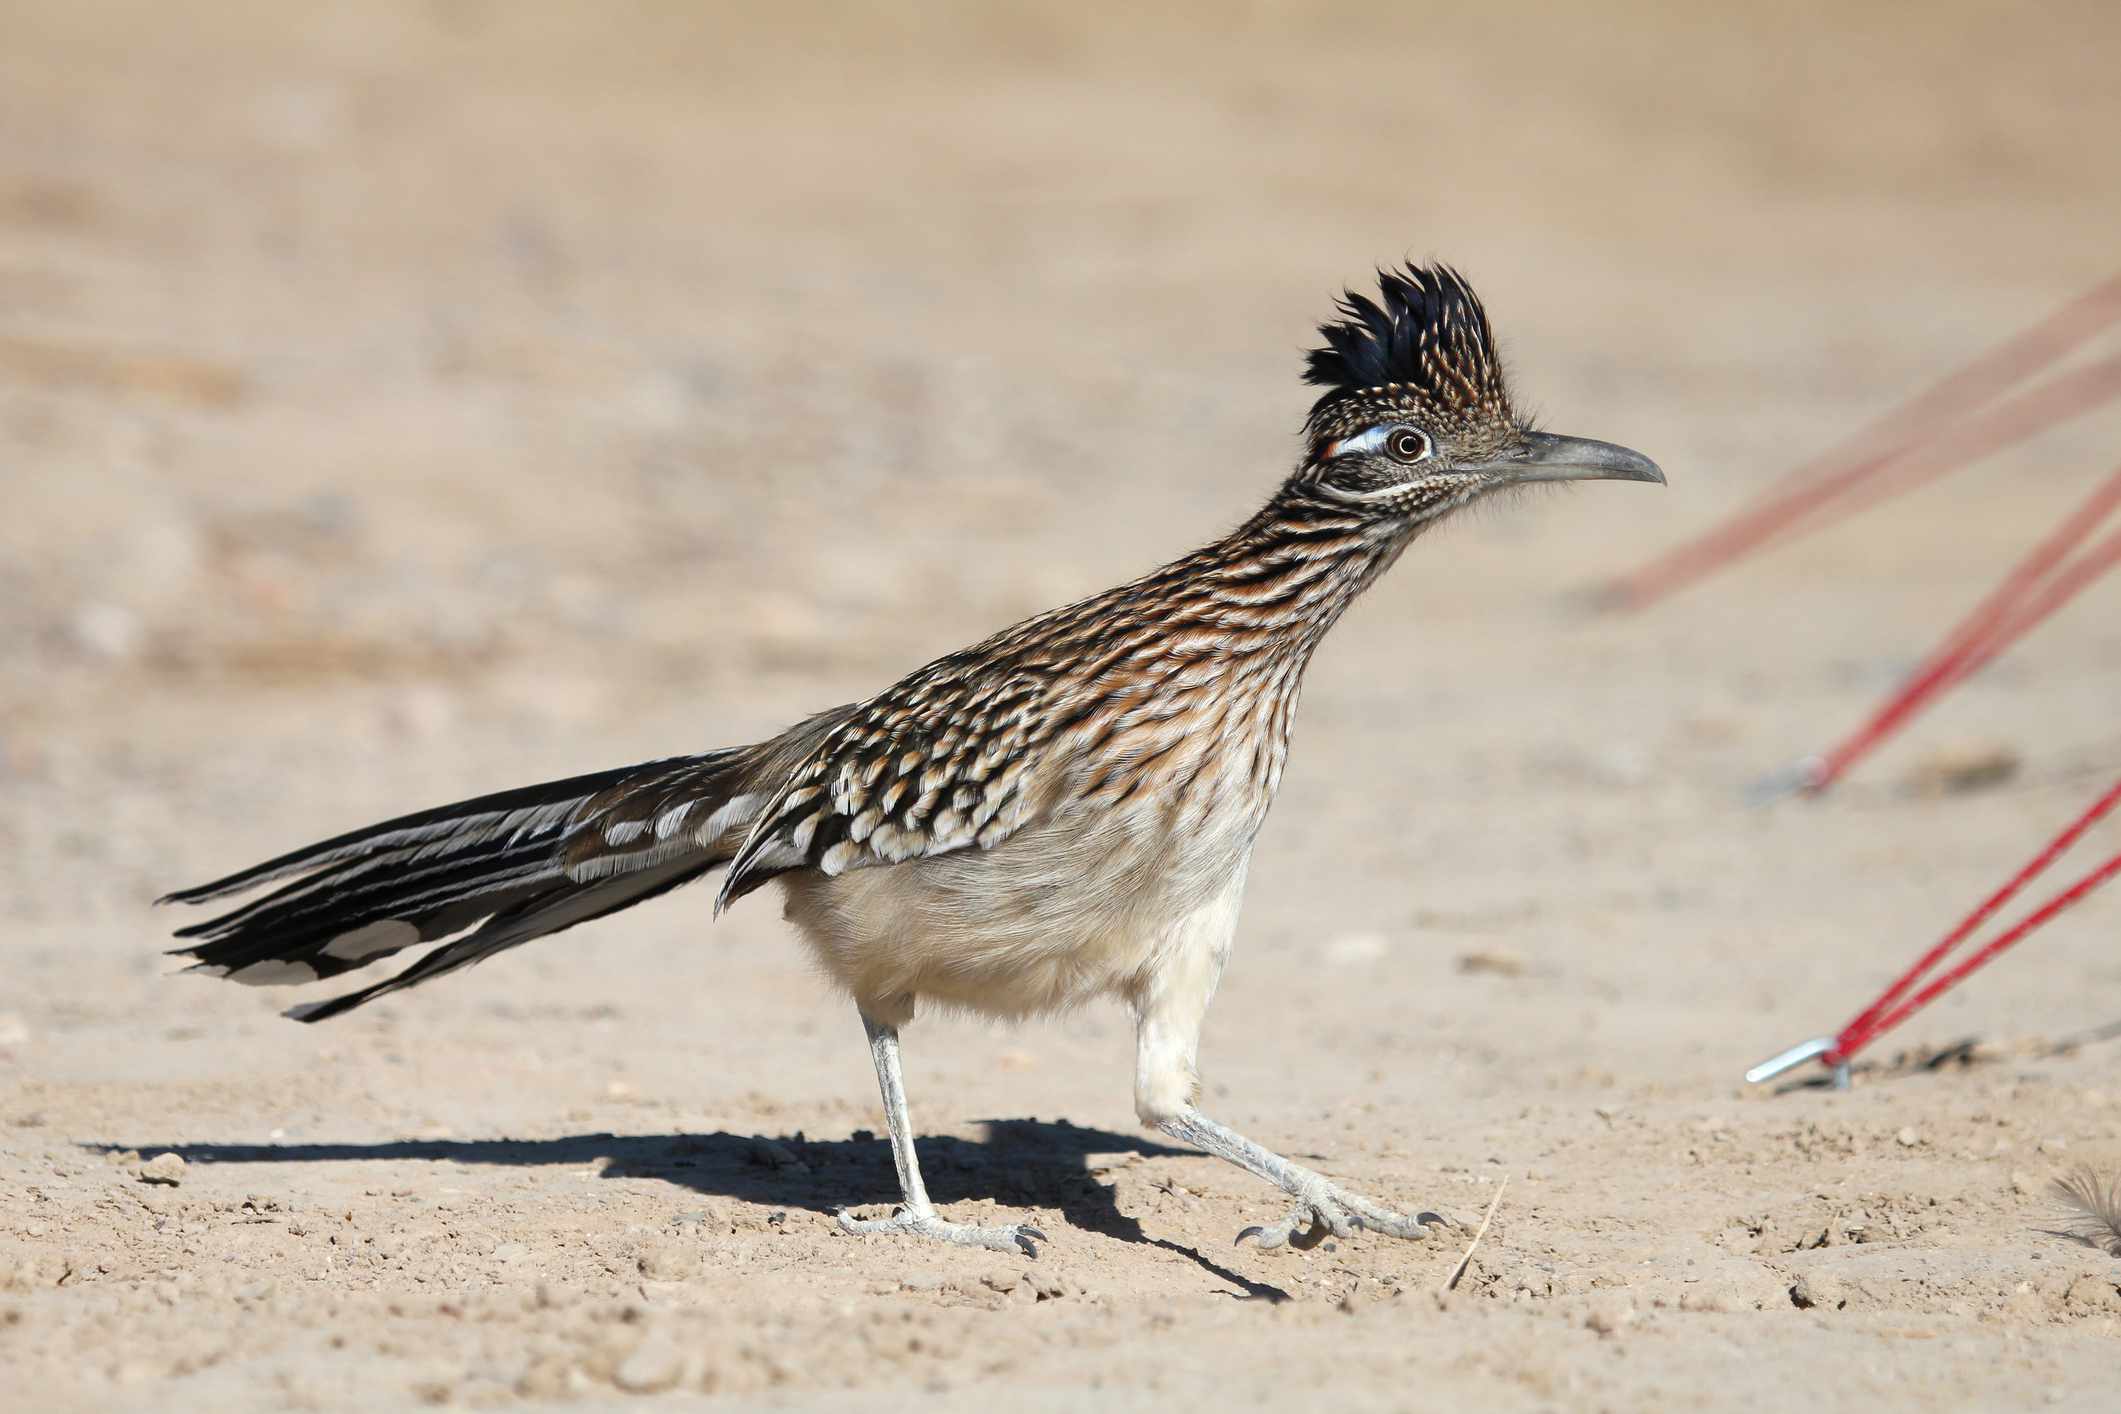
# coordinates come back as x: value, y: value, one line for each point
x: 1416, y: 418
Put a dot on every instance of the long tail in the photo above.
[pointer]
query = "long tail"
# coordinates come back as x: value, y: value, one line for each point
x: 518, y: 865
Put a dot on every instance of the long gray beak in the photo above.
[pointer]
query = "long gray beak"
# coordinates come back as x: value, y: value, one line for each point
x: 1546, y: 457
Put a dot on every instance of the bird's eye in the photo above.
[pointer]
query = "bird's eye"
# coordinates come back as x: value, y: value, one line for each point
x: 1406, y: 444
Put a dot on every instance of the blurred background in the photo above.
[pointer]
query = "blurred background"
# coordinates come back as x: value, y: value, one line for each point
x: 407, y: 400
x: 558, y: 364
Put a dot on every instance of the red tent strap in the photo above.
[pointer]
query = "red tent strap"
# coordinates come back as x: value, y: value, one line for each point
x: 1874, y: 448
x: 2036, y: 587
x: 1980, y: 434
x: 1889, y: 1010
x: 1847, y: 1045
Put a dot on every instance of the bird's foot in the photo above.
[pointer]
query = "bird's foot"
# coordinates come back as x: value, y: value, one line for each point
x: 1015, y: 1237
x: 1325, y: 1210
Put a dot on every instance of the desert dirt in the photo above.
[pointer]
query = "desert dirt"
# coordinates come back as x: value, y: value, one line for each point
x: 403, y: 402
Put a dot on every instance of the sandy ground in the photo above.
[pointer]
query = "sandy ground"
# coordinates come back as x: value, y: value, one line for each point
x: 415, y: 401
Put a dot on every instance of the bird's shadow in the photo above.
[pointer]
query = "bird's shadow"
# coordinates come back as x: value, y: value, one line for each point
x: 1017, y: 1163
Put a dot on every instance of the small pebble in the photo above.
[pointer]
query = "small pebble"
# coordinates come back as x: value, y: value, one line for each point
x: 1967, y: 766
x: 163, y: 1168
x: 1818, y: 1292
x: 772, y: 1154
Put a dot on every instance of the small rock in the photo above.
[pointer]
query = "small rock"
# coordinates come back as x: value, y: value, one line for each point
x: 1818, y: 1291
x: 1035, y: 1289
x: 656, y: 1364
x: 510, y: 1252
x: 1907, y: 1138
x: 163, y: 1168
x: 1495, y: 963
x: 772, y: 1154
x: 2097, y: 1293
x: 1967, y: 766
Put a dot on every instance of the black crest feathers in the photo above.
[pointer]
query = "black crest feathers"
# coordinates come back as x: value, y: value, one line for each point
x: 1425, y: 334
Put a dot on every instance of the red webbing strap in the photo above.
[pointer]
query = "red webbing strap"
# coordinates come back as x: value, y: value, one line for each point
x: 1889, y: 1010
x: 1857, y: 459
x: 2010, y: 610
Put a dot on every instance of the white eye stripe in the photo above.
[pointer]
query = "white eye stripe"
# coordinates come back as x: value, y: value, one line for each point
x: 1370, y: 441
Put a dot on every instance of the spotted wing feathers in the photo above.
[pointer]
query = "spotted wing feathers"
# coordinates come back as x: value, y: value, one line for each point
x: 938, y: 763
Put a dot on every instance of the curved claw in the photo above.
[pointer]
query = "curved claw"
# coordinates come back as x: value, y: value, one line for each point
x: 1339, y: 1214
x: 1414, y: 1228
x: 1309, y: 1223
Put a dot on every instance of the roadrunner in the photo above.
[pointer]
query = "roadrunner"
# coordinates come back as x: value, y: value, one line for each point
x: 1064, y: 811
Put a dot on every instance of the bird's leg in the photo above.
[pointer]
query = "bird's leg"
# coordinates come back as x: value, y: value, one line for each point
x: 1323, y: 1208
x: 917, y: 1216
x: 1168, y: 1016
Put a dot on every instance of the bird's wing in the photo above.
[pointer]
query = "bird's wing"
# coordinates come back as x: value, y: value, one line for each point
x: 942, y: 761
x: 688, y: 805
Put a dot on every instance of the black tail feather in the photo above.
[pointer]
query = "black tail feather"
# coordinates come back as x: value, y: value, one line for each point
x: 518, y: 864
x: 504, y: 811
x: 539, y: 915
